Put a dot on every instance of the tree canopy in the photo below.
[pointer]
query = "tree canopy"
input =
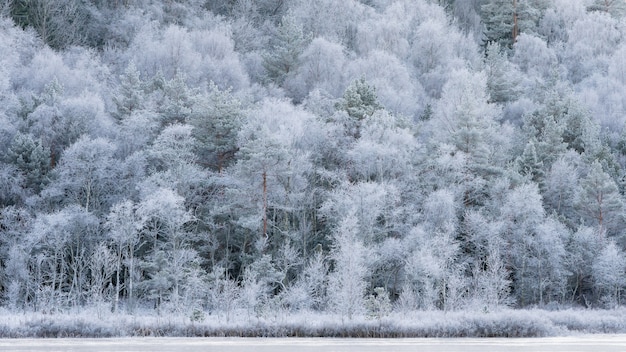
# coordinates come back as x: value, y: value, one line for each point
x: 342, y: 156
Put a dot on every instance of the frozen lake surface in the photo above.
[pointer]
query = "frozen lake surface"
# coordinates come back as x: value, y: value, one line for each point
x: 585, y: 343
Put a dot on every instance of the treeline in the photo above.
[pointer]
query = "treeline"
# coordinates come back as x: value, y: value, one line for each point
x: 340, y: 156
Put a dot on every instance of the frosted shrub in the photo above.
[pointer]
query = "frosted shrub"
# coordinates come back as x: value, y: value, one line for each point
x: 407, y: 302
x: 13, y: 295
x: 378, y: 304
x: 223, y: 293
x: 197, y: 315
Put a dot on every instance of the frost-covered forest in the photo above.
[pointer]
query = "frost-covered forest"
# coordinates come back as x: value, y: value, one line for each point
x: 210, y: 157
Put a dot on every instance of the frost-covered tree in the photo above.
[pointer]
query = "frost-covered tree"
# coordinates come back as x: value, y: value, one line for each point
x: 609, y: 273
x: 359, y: 100
x: 223, y: 292
x: 177, y: 100
x: 171, y: 162
x: 259, y: 281
x: 169, y: 261
x: 60, y: 244
x: 130, y: 96
x: 85, y: 176
x: 336, y: 21
x: 200, y: 56
x: 101, y: 270
x: 58, y: 23
x: 599, y: 202
x: 614, y: 7
x: 124, y: 226
x: 432, y: 57
x: 535, y: 246
x: 16, y: 278
x: 395, y: 90
x: 273, y: 164
x: 534, y: 57
x: 491, y: 284
x: 321, y: 67
x: 545, y: 128
x: 434, y: 274
x: 561, y: 185
x: 464, y: 128
x: 15, y: 223
x: 503, y: 79
x: 313, y: 282
x: 346, y: 282
x: 287, y: 44
x: 162, y: 216
x: 374, y: 204
x: 31, y: 159
x: 385, y: 149
x: 216, y: 121
x: 378, y: 304
x: 505, y: 19
x: 593, y: 39
x: 548, y: 261
x: 529, y: 165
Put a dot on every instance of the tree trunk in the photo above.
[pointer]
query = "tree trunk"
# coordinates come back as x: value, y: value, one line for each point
x: 265, y: 204
x: 515, y: 28
x: 117, y: 281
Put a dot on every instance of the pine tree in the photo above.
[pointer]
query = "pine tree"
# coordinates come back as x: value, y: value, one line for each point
x: 130, y: 96
x: 31, y: 159
x: 500, y: 19
x: 465, y: 121
x: 287, y: 44
x: 547, y: 131
x: 505, y: 19
x: 502, y: 77
x: 217, y: 121
x: 359, y: 100
x: 178, y: 101
x: 529, y: 165
x: 599, y: 201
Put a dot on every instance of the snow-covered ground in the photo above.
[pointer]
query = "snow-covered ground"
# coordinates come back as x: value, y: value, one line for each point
x: 583, y: 343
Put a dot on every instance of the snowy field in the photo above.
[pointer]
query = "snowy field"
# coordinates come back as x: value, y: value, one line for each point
x: 604, y: 343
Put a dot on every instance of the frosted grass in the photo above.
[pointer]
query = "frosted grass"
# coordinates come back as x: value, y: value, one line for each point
x: 502, y: 323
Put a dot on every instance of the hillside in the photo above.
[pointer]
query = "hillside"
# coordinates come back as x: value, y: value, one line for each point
x: 357, y: 158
